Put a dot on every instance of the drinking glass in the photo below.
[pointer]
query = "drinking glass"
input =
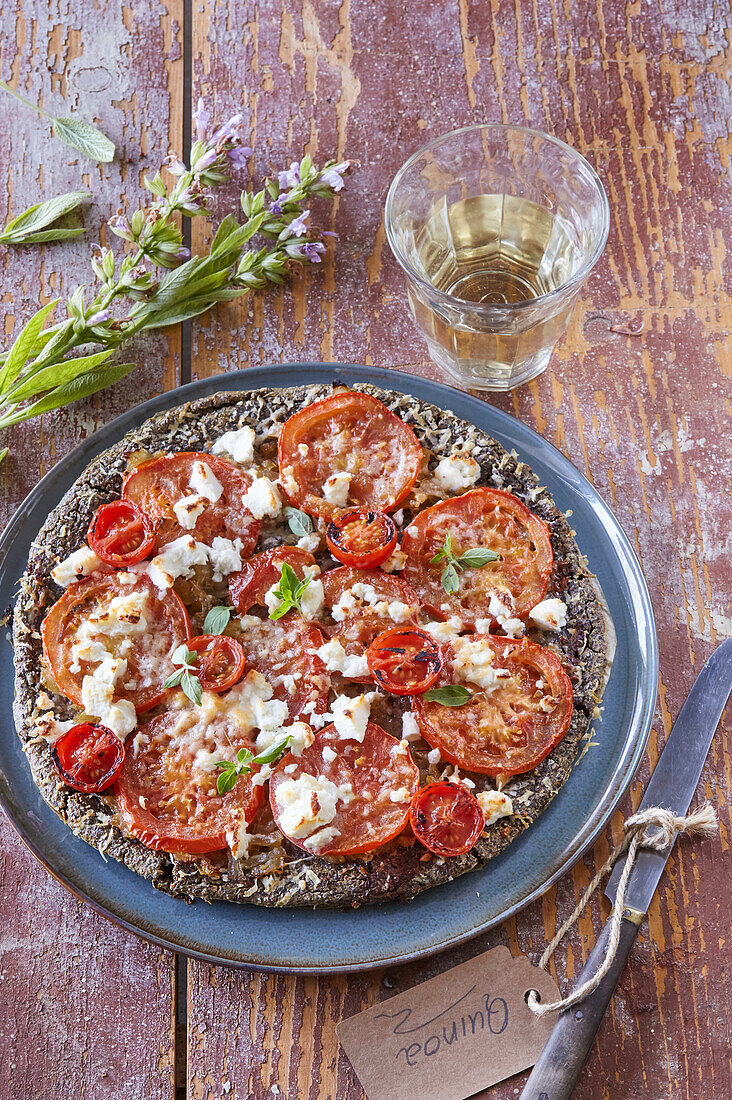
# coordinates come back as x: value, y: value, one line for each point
x: 497, y: 228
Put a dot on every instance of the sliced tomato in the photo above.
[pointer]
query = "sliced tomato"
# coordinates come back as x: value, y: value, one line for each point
x: 249, y: 585
x: 146, y: 634
x: 489, y: 519
x: 156, y: 486
x: 446, y: 818
x: 350, y: 433
x: 121, y: 534
x: 361, y: 539
x: 284, y: 651
x: 509, y: 729
x: 356, y: 628
x: 404, y: 662
x: 221, y: 661
x: 88, y: 758
x: 166, y: 790
x: 375, y: 769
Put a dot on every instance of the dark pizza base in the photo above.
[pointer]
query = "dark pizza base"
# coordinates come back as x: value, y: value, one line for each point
x: 395, y: 872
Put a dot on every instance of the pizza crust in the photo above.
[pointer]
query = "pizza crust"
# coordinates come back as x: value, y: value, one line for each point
x: 395, y: 872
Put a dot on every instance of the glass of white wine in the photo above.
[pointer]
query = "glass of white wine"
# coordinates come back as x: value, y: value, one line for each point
x: 497, y: 228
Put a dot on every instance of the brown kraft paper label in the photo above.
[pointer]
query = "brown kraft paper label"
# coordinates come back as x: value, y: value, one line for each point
x: 453, y: 1035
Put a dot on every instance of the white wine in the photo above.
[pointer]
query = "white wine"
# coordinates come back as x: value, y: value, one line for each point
x: 492, y: 251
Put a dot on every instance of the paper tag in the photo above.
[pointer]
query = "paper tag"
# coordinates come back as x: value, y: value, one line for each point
x: 453, y: 1035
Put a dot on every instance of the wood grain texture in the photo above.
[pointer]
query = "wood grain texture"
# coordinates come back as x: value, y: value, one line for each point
x: 83, y: 1006
x: 642, y: 90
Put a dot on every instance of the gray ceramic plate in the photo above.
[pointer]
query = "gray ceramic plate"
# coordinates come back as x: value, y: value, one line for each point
x: 321, y: 941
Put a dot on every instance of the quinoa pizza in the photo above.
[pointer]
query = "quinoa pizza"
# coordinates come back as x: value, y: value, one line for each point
x: 312, y: 646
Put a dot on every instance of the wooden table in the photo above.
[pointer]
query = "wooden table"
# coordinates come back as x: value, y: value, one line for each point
x: 88, y: 1010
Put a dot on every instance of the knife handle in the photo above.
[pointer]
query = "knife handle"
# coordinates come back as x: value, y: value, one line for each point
x: 559, y: 1065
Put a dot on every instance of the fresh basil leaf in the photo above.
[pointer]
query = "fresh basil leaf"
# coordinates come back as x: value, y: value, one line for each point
x: 42, y: 215
x: 243, y: 756
x: 191, y: 686
x: 23, y: 346
x: 299, y: 522
x: 226, y: 781
x: 451, y: 695
x: 473, y: 559
x: 273, y: 752
x: 175, y: 679
x: 217, y: 620
x: 450, y: 579
x: 86, y: 138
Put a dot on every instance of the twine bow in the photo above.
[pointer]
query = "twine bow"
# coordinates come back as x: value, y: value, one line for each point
x: 653, y: 828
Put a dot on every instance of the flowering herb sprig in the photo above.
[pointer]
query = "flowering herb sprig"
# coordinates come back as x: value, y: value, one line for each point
x: 455, y: 563
x: 39, y: 373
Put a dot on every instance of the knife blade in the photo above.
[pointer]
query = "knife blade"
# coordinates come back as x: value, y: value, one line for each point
x: 677, y: 773
x: 672, y: 787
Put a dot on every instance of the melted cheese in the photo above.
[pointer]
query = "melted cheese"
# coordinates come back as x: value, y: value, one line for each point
x: 204, y: 482
x: 308, y: 803
x: 238, y: 444
x: 550, y: 614
x: 79, y: 564
x: 188, y: 509
x: 335, y: 489
x: 494, y: 805
x: 456, y: 472
x: 262, y: 499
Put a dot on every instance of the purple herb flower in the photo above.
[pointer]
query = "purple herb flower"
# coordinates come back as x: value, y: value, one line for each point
x: 289, y: 178
x: 175, y: 166
x: 312, y: 251
x: 239, y: 156
x: 275, y: 208
x: 201, y: 119
x: 297, y: 227
x: 333, y: 177
x: 206, y: 160
x: 98, y: 318
x: 182, y: 253
x: 230, y: 131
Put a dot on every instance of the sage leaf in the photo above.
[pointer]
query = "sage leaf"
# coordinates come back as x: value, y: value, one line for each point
x: 26, y: 227
x: 450, y: 579
x: 65, y: 371
x: 23, y: 347
x: 85, y: 386
x: 299, y: 522
x: 217, y: 620
x: 84, y: 137
x: 451, y: 695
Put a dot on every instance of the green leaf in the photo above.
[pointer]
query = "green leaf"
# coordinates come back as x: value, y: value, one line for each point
x: 185, y: 656
x: 3, y: 453
x: 46, y: 235
x: 273, y: 752
x: 191, y: 686
x: 84, y: 137
x: 299, y: 522
x: 289, y: 592
x: 72, y: 391
x: 23, y: 347
x: 174, y: 679
x: 35, y: 382
x: 217, y: 620
x: 473, y: 559
x: 226, y: 781
x: 451, y: 695
x: 43, y: 214
x: 450, y: 580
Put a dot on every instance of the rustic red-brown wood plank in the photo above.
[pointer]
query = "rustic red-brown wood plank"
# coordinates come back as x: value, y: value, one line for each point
x: 85, y: 1009
x: 641, y: 90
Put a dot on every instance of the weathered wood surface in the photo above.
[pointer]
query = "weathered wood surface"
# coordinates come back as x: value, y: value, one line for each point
x: 640, y: 89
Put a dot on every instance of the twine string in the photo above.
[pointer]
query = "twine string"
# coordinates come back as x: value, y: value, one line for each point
x: 653, y: 828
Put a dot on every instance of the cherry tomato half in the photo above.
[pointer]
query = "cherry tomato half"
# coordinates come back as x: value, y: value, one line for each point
x: 120, y: 533
x: 221, y: 661
x: 404, y: 662
x: 446, y: 818
x: 88, y: 758
x: 361, y: 539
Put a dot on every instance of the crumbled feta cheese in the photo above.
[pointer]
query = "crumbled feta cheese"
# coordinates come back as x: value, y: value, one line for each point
x: 550, y: 614
x: 204, y: 481
x: 290, y: 768
x: 240, y: 840
x: 335, y: 489
x: 318, y: 841
x: 312, y: 598
x: 456, y: 472
x: 188, y: 509
x: 303, y: 449
x: 494, y: 805
x: 444, y: 632
x: 301, y: 736
x: 238, y: 444
x: 328, y: 755
x: 410, y: 728
x: 398, y: 517
x: 402, y: 749
x: 262, y: 499
x: 309, y: 542
x: 394, y: 563
x: 97, y: 694
x: 288, y: 481
x: 224, y: 556
x: 360, y: 595
x: 50, y: 727
x: 121, y: 718
x: 177, y: 559
x: 260, y: 778
x: 308, y: 803
x: 351, y: 716
x: 473, y: 661
x: 79, y: 564
x: 403, y: 794
x: 456, y: 777
x: 433, y: 756
x: 513, y: 628
x: 246, y: 622
x: 335, y: 659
